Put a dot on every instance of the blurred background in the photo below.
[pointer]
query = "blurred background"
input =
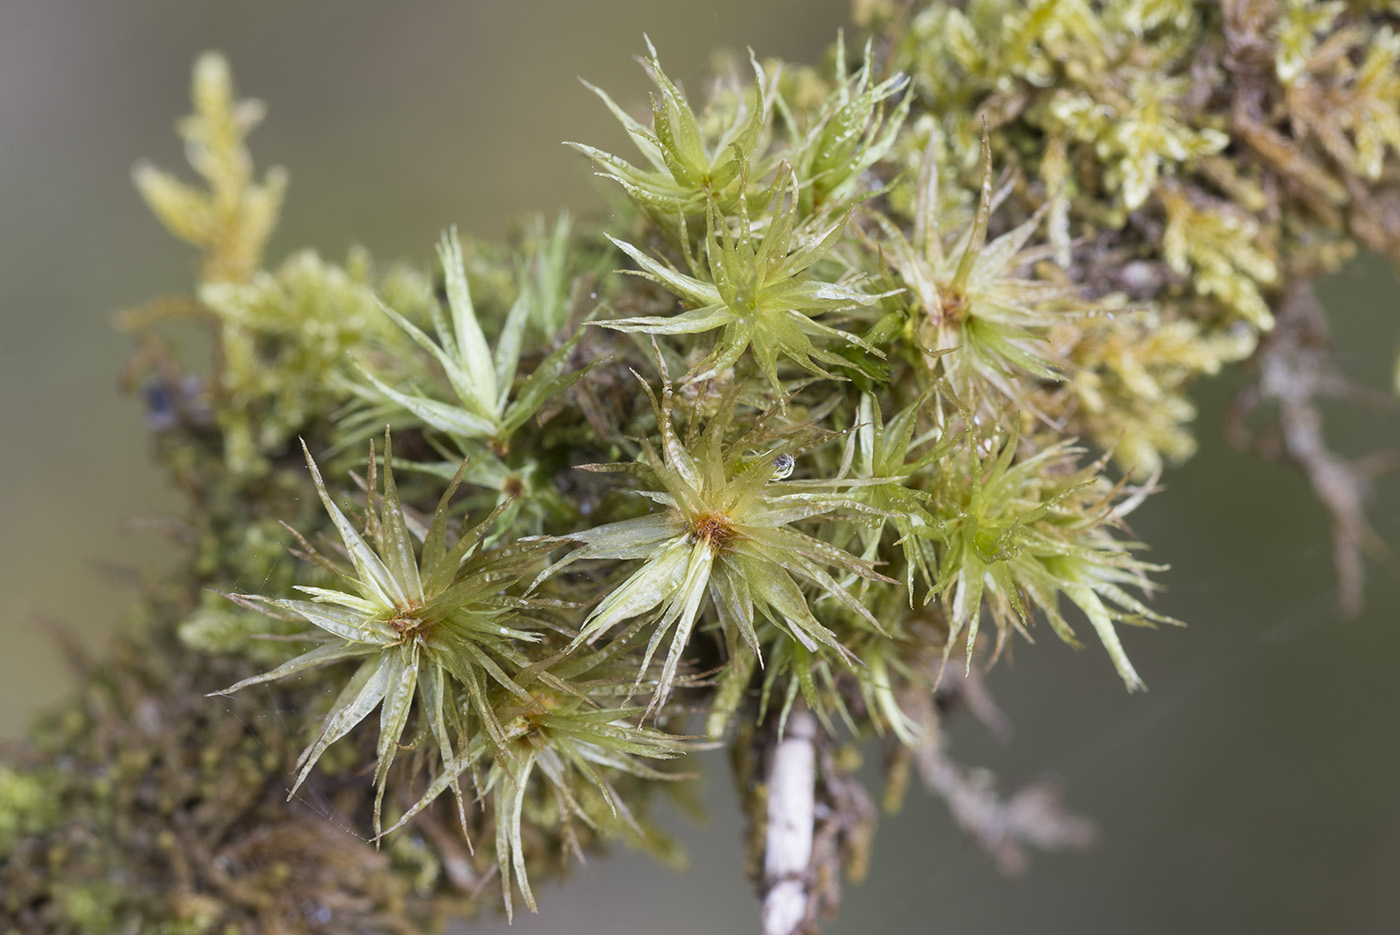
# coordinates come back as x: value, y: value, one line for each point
x: 1253, y: 788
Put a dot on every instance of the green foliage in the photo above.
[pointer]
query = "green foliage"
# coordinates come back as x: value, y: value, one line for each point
x: 1139, y: 135
x: 759, y: 293
x: 1301, y: 23
x: 1017, y: 534
x: 1115, y: 95
x: 488, y: 408
x: 847, y: 136
x: 436, y: 625
x: 285, y: 337
x: 727, y: 533
x: 472, y: 394
x: 1129, y: 372
x: 908, y: 285
x: 26, y: 808
x: 574, y: 746
x: 887, y: 461
x: 1215, y: 248
x: 689, y: 167
x: 232, y: 221
x: 976, y: 323
x: 546, y: 277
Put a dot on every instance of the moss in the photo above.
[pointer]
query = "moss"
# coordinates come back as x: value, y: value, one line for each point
x: 818, y: 428
x: 27, y: 806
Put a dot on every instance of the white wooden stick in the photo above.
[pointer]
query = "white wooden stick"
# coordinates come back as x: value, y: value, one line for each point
x: 792, y: 779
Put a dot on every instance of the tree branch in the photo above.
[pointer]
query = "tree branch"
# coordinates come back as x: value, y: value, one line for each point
x: 792, y: 778
x: 1295, y: 372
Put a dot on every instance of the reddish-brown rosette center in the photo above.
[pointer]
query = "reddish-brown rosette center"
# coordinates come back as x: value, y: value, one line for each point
x: 952, y: 306
x: 407, y: 622
x: 714, y: 529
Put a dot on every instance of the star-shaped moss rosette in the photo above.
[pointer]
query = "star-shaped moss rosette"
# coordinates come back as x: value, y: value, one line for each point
x: 728, y: 531
x: 850, y: 134
x: 467, y: 392
x: 439, y: 624
x: 761, y: 292
x: 577, y: 745
x: 1016, y: 535
x: 688, y: 167
x: 977, y: 323
x: 488, y: 407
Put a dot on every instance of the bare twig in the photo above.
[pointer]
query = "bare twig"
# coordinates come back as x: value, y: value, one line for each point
x: 1003, y: 828
x: 792, y: 779
x: 1295, y: 371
